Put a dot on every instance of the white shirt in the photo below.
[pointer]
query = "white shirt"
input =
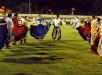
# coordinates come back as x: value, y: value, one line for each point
x: 40, y: 21
x: 24, y: 22
x: 9, y: 23
x: 57, y: 22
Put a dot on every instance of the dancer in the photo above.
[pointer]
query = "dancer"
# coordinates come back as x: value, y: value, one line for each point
x: 3, y: 31
x: 19, y: 31
x: 25, y: 22
x: 10, y: 26
x: 57, y: 31
x: 39, y: 30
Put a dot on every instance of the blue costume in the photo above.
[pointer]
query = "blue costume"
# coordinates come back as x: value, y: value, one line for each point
x: 3, y: 33
x: 39, y: 31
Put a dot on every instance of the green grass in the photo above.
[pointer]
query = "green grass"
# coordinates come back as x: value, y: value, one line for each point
x: 70, y: 56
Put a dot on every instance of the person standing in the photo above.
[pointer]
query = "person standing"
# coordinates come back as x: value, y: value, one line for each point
x: 9, y: 26
x: 40, y: 28
x: 99, y: 49
x: 57, y: 31
x: 3, y: 31
x: 19, y: 31
x: 25, y: 23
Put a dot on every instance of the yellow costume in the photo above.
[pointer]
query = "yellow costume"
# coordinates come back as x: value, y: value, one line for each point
x: 95, y: 31
x: 99, y: 49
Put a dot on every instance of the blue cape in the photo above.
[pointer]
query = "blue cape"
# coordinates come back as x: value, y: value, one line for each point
x: 39, y: 32
x: 3, y: 35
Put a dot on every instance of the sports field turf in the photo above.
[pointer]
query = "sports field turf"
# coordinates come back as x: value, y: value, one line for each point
x: 70, y: 56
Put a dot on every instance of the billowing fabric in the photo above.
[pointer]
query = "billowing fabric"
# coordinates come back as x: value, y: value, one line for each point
x: 39, y: 32
x: 99, y: 49
x: 19, y: 32
x: 3, y: 35
x: 84, y: 31
x: 95, y: 46
x: 95, y: 31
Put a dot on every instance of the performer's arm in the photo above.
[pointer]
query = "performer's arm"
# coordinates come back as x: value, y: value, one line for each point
x: 61, y: 23
x: 1, y: 24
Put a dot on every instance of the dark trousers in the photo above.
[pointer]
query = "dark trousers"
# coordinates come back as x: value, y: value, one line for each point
x: 56, y: 33
x: 7, y: 44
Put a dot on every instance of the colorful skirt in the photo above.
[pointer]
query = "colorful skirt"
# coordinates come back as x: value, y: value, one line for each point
x: 95, y: 46
x: 3, y: 35
x: 19, y: 32
x: 84, y: 31
x: 99, y: 49
x: 39, y: 32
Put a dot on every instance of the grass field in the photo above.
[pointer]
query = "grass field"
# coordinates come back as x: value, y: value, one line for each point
x: 69, y: 56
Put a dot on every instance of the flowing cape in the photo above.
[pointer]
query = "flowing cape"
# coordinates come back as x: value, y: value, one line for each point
x: 3, y: 35
x: 39, y: 32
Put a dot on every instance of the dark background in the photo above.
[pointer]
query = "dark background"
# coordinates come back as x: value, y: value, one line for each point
x: 81, y: 6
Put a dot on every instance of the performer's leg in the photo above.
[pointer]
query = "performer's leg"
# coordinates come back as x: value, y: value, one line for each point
x: 25, y: 38
x: 7, y: 45
x: 59, y: 33
x: 25, y: 41
x: 93, y: 38
x: 21, y: 41
x: 14, y: 42
x: 54, y: 33
x: 100, y: 60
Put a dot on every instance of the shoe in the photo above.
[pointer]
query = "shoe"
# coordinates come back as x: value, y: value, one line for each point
x: 13, y: 44
x: 1, y: 50
x: 21, y: 42
x: 40, y: 39
x: 53, y: 39
x: 8, y: 48
x: 58, y: 40
x: 25, y: 41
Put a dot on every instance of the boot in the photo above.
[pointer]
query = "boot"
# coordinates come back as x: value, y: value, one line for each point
x: 25, y: 41
x: 14, y: 43
x: 21, y: 42
x: 7, y: 45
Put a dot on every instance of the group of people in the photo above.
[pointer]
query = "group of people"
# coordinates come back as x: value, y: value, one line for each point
x: 92, y: 31
x: 17, y: 31
x: 11, y: 30
x: 39, y: 31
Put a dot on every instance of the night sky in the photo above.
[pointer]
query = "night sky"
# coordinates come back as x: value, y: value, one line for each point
x: 55, y: 5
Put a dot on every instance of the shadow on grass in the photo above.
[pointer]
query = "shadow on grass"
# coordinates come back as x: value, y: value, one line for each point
x: 55, y: 43
x: 22, y: 74
x: 23, y: 53
x: 34, y: 60
x: 43, y: 48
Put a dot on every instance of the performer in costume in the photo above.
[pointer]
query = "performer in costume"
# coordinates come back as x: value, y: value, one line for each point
x: 39, y: 30
x: 95, y: 35
x: 84, y: 30
x: 3, y: 31
x: 75, y: 21
x: 19, y: 31
x: 56, y: 31
x: 99, y: 49
x: 10, y: 26
x: 25, y: 22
